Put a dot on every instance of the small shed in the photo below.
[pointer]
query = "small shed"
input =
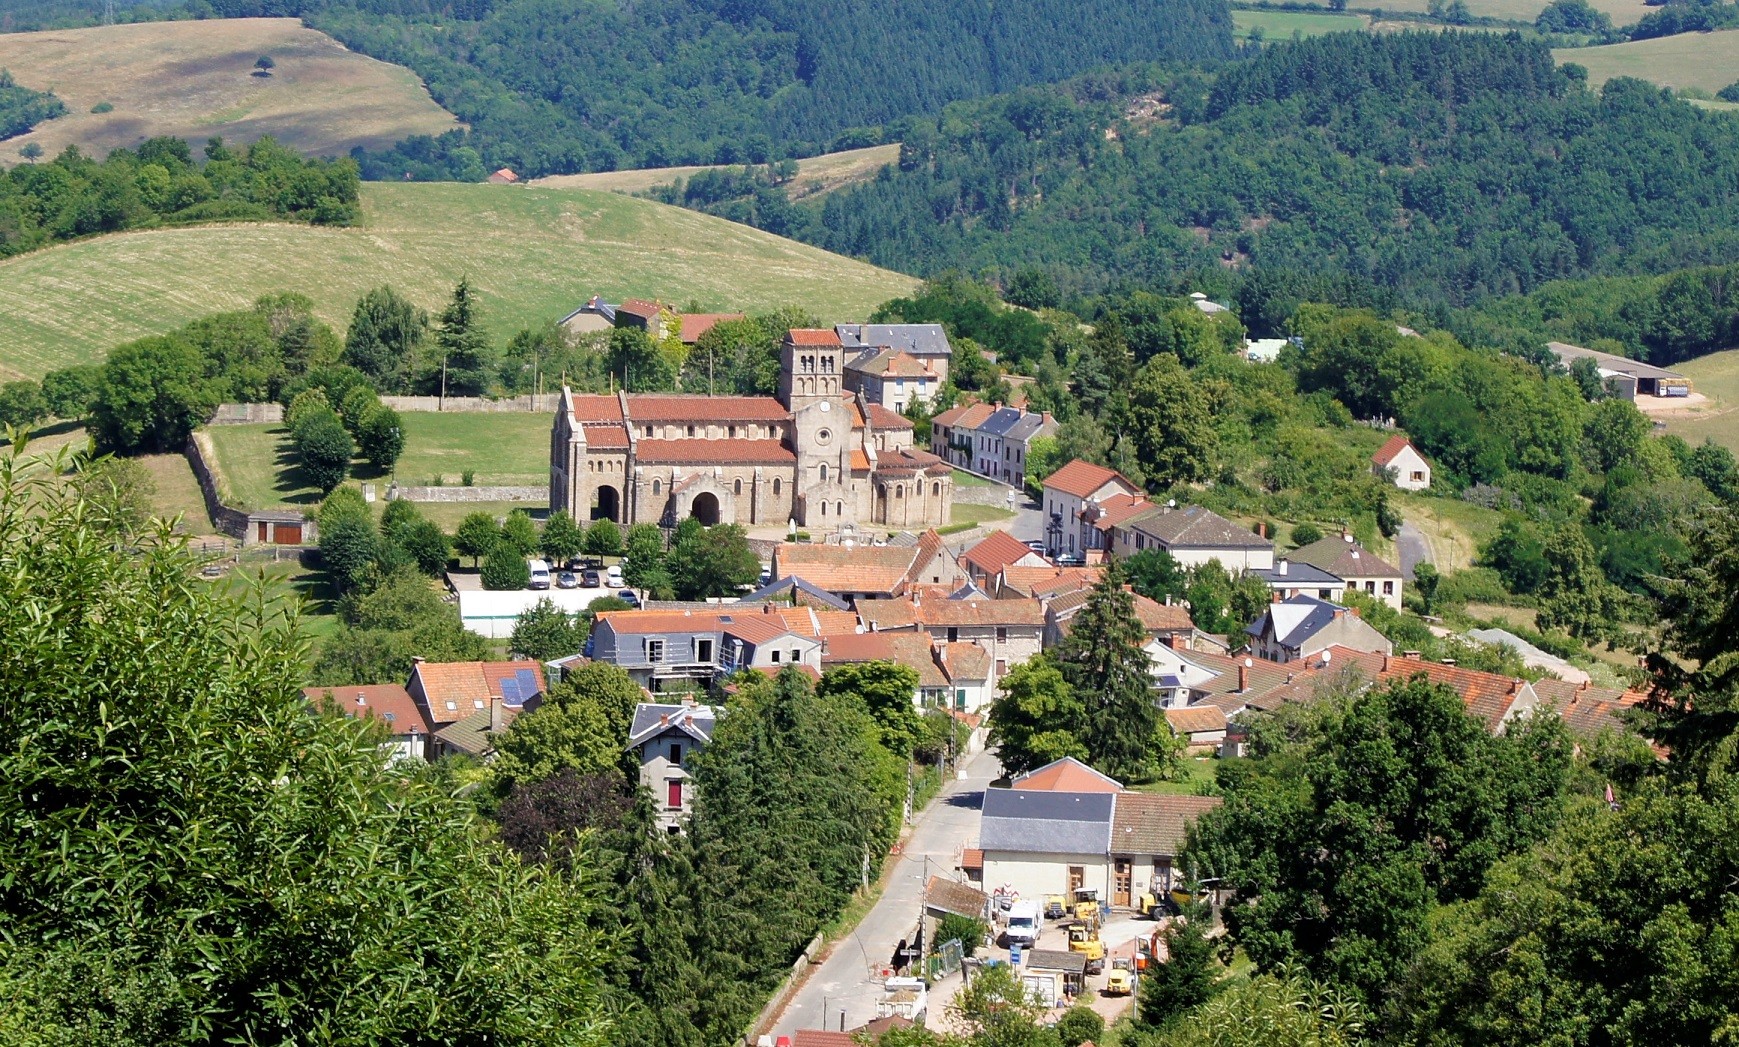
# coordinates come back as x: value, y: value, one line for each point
x: 1054, y: 974
x: 279, y: 527
x: 945, y: 897
x: 505, y: 176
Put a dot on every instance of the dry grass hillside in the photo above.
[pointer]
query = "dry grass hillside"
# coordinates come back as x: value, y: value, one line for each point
x: 533, y: 254
x: 816, y: 175
x: 1705, y: 61
x: 196, y: 79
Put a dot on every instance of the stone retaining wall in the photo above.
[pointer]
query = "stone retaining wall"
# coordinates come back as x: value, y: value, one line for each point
x: 226, y: 520
x: 397, y: 493
x: 247, y: 414
x: 529, y: 403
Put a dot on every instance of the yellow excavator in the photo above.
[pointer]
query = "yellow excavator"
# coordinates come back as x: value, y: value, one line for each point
x: 1086, y: 901
x: 1084, y: 939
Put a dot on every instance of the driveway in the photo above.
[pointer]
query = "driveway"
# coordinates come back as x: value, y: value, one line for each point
x: 1414, y: 549
x: 849, y: 980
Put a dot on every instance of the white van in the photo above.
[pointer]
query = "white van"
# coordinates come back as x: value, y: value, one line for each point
x: 539, y: 574
x: 1025, y: 920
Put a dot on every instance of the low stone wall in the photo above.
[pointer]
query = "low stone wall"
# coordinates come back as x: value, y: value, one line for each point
x: 247, y: 414
x: 529, y: 403
x: 397, y: 493
x: 226, y: 520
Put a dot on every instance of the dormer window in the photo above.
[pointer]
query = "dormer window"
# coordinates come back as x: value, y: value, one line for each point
x: 452, y: 707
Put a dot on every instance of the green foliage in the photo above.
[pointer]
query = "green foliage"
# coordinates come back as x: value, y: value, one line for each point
x: 1701, y: 609
x: 637, y: 362
x: 386, y: 334
x: 1036, y: 717
x: 971, y: 933
x: 324, y: 447
x: 1573, y: 16
x: 1574, y: 594
x: 568, y: 732
x: 69, y: 392
x: 154, y: 393
x: 1187, y: 979
x: 1304, y: 534
x: 73, y: 196
x: 1355, y: 818
x: 22, y: 108
x: 1222, y: 602
x: 397, y: 618
x: 1079, y: 1024
x: 1103, y: 661
x: 645, y: 556
x: 381, y: 437
x: 520, y: 532
x: 603, y: 538
x: 544, y: 631
x: 22, y: 405
x: 504, y: 567
x: 998, y: 1010
x: 195, y: 856
x: 1171, y: 424
x: 121, y: 491
x: 478, y: 533
x: 562, y: 538
x: 884, y: 690
x: 349, y: 545
x: 462, y: 361
x: 1426, y: 582
x: 747, y: 85
x: 713, y: 561
x: 1283, y: 1009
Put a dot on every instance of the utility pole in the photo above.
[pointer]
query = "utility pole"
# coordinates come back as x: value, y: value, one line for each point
x: 443, y: 404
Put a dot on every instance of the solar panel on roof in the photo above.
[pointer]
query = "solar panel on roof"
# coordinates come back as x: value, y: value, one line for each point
x: 527, y: 682
x: 510, y: 690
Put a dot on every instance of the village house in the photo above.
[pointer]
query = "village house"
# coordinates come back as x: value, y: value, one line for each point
x: 1159, y: 621
x: 995, y: 553
x: 953, y: 676
x: 851, y: 571
x: 813, y: 455
x: 954, y: 432
x: 1200, y: 726
x: 409, y: 732
x: 1287, y: 579
x: 991, y: 440
x: 1068, y: 492
x: 1401, y: 464
x: 1042, y: 582
x: 661, y: 321
x: 664, y: 650
x: 1362, y: 570
x: 662, y: 738
x: 926, y: 343
x: 464, y: 702
x: 892, y: 378
x: 1010, y: 631
x: 1295, y: 629
x: 1193, y: 536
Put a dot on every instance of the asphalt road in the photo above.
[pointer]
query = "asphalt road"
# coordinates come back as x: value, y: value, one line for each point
x: 1411, y: 544
x: 849, y: 980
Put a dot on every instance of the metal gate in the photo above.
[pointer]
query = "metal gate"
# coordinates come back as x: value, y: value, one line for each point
x: 947, y: 958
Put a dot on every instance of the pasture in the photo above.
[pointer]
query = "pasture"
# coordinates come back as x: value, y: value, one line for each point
x: 197, y: 79
x: 533, y: 255
x: 1281, y: 25
x: 815, y: 176
x: 1716, y: 376
x: 1702, y: 61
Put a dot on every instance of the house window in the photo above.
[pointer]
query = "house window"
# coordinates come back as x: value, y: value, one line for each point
x: 675, y: 752
x: 1001, y: 634
x: 703, y: 650
x: 737, y: 486
x: 1371, y: 587
x: 1418, y: 477
x: 673, y: 794
x: 655, y: 650
x: 775, y: 486
x: 839, y: 508
x: 953, y: 634
x: 691, y: 430
x: 1388, y: 588
x: 1325, y: 594
x: 775, y: 657
x: 649, y: 431
x: 960, y: 698
x: 796, y: 656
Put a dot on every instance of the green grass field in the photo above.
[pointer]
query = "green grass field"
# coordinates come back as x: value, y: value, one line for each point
x: 1622, y: 12
x: 1705, y: 61
x: 258, y: 469
x: 533, y: 255
x: 1715, y: 376
x: 816, y: 175
x: 1281, y: 25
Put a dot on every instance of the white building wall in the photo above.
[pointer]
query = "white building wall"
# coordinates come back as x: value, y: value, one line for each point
x: 1036, y: 875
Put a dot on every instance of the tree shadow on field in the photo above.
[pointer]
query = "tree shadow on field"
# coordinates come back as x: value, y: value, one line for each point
x: 293, y: 485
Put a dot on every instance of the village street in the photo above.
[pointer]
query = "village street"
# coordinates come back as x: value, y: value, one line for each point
x: 849, y: 980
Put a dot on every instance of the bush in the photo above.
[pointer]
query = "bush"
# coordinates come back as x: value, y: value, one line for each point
x: 468, y: 478
x: 505, y: 569
x: 103, y: 107
x: 381, y: 436
x: 970, y: 932
x: 1078, y: 1025
x: 325, y: 449
x: 1306, y: 533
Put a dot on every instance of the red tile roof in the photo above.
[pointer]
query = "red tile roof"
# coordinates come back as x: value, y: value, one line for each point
x: 696, y: 324
x: 821, y: 1038
x: 1067, y: 775
x: 1154, y: 823
x: 467, y: 685
x: 1081, y: 479
x: 640, y: 307
x: 1048, y: 581
x: 679, y: 407
x: 1118, y: 508
x: 813, y: 336
x: 677, y: 452
x: 1389, y: 450
x: 972, y: 858
x: 593, y: 408
x: 389, y: 703
x: 882, y: 418
x: 1487, y: 696
x: 998, y: 550
x: 860, y: 462
x: 1196, y: 718
x: 858, y: 647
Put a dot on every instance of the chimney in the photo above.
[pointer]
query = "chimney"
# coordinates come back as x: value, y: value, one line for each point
x: 1410, y: 654
x: 361, y: 699
x: 1385, y: 663
x: 766, y: 608
x: 495, y: 718
x: 1289, y: 677
x: 1280, y: 568
x: 418, y: 659
x: 1262, y: 529
x: 1274, y: 596
x: 664, y: 719
x: 1583, y: 686
x: 1515, y: 687
x: 1354, y: 611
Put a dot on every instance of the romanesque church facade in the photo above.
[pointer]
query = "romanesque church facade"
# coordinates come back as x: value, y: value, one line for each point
x: 815, y: 453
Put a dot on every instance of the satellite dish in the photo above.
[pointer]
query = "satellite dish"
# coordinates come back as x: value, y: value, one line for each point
x: 1249, y: 663
x: 1325, y: 656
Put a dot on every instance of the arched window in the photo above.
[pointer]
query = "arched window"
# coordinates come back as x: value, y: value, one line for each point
x: 823, y: 472
x: 737, y: 486
x: 823, y: 508
x: 936, y: 488
x: 656, y: 488
x: 839, y: 508
x: 775, y: 487
x: 899, y: 490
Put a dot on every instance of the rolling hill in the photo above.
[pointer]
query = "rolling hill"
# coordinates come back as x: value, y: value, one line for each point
x: 1706, y: 61
x: 196, y: 79
x: 533, y: 254
x: 816, y: 176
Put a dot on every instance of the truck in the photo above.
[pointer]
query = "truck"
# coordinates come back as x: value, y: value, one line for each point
x: 1025, y: 920
x: 907, y: 998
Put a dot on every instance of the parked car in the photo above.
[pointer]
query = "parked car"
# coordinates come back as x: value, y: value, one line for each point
x: 539, y: 574
x: 591, y: 580
x: 629, y: 597
x: 613, y: 577
x: 568, y: 580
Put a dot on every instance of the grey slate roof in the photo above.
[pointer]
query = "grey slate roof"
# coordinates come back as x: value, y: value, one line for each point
x: 778, y: 586
x: 650, y: 718
x: 1031, y: 424
x: 1297, y: 573
x: 1197, y: 528
x: 1344, y: 558
x: 1296, y: 619
x: 917, y: 339
x: 1001, y: 421
x: 1057, y: 960
x: 1032, y: 821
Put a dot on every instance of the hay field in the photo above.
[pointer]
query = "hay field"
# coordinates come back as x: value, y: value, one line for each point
x: 1280, y: 25
x: 1716, y: 376
x: 1622, y: 12
x: 1708, y: 61
x: 195, y: 80
x: 533, y: 254
x: 815, y: 176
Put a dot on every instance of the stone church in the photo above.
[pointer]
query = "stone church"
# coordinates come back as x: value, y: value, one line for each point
x: 815, y: 453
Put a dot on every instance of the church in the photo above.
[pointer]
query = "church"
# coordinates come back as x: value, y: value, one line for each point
x: 816, y: 453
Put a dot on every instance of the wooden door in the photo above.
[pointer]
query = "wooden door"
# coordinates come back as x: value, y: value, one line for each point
x: 289, y: 534
x: 1120, y: 883
x: 1077, y: 878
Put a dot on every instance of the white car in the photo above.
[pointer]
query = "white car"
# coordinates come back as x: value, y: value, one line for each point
x: 613, y: 577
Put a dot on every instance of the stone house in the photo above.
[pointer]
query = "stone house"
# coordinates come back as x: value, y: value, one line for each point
x: 852, y: 571
x: 1009, y: 631
x: 893, y: 378
x: 1287, y: 579
x: 662, y: 738
x: 926, y: 343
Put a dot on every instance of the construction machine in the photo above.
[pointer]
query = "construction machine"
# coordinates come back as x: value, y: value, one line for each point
x: 1084, y: 939
x: 1086, y: 901
x: 1055, y: 907
x: 1121, y: 980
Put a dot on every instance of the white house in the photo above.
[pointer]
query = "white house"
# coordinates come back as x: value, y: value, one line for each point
x: 1068, y: 493
x: 1193, y: 536
x: 1303, y: 626
x: 1362, y: 570
x: 1402, y: 463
